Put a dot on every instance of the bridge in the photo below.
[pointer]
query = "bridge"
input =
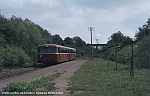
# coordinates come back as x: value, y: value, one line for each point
x: 98, y: 47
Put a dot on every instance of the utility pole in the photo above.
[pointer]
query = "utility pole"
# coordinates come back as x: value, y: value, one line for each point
x: 117, y: 47
x: 91, y: 29
x: 97, y: 49
x: 132, y: 71
x: 116, y: 55
x: 108, y: 51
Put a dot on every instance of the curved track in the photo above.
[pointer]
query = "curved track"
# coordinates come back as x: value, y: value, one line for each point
x: 15, y: 72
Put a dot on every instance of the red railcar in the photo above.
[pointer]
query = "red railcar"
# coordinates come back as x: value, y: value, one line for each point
x: 53, y: 53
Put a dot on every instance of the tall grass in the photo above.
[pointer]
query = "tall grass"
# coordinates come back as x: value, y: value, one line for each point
x: 96, y: 78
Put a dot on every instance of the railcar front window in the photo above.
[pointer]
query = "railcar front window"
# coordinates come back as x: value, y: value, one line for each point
x: 41, y: 50
x: 47, y: 50
x: 51, y: 50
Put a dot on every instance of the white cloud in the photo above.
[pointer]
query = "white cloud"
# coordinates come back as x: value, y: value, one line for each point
x: 46, y: 3
x: 12, y: 3
x: 73, y: 17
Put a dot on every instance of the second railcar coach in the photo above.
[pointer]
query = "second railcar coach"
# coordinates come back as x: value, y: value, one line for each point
x: 53, y: 53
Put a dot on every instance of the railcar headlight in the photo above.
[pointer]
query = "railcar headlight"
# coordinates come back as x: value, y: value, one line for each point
x: 40, y: 55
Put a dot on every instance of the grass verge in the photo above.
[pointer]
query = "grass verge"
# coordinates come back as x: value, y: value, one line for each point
x: 44, y: 84
x: 96, y: 78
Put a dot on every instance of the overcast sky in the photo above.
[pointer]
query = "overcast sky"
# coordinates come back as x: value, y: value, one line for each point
x: 70, y: 18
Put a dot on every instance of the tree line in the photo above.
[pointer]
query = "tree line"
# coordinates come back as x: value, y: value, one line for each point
x: 142, y: 40
x: 141, y: 46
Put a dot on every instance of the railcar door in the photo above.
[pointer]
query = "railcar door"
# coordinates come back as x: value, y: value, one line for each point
x: 59, y: 58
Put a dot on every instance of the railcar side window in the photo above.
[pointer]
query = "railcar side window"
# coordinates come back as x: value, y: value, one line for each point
x: 72, y: 51
x: 63, y: 50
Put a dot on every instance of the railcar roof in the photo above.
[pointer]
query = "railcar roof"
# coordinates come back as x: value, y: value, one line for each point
x: 55, y: 45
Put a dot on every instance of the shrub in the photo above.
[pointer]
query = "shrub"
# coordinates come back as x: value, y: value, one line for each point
x: 1, y: 56
x: 18, y: 87
x: 14, y: 56
x: 142, y: 53
x: 33, y: 56
x: 112, y: 57
x: 123, y: 59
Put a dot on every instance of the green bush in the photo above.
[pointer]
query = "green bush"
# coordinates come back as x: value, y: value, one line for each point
x: 33, y: 56
x: 18, y: 87
x: 1, y: 56
x: 112, y: 57
x: 142, y: 54
x: 14, y: 56
x: 123, y: 60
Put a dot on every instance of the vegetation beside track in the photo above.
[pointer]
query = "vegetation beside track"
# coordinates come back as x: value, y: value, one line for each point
x: 44, y: 84
x: 97, y: 78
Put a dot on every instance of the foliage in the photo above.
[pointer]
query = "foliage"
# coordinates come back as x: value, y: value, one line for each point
x: 2, y: 40
x: 143, y: 31
x: 26, y: 35
x: 42, y: 84
x: 143, y: 43
x: 13, y: 56
x: 1, y: 58
x: 18, y: 87
x: 56, y: 39
x: 83, y: 50
x: 22, y: 34
x: 80, y: 45
x: 142, y: 53
x: 118, y: 38
x: 1, y: 55
x: 141, y: 48
x: 79, y: 42
x: 69, y: 41
x: 96, y: 78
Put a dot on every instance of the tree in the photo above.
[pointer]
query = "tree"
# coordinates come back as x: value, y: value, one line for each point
x: 1, y: 56
x: 143, y: 31
x: 69, y: 41
x: 118, y: 38
x: 2, y: 40
x: 142, y: 53
x: 56, y: 39
x: 79, y: 42
x: 23, y: 34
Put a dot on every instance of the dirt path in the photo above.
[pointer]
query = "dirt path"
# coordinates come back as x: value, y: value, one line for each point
x: 61, y: 82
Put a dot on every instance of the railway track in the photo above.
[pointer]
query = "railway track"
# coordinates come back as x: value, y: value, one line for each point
x: 15, y: 72
x: 20, y: 71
